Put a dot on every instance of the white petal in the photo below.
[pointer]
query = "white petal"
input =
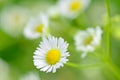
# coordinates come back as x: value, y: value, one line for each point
x: 44, y: 18
x: 52, y: 41
x: 84, y: 55
x: 54, y: 69
x: 50, y: 69
x: 39, y: 63
x: 45, y: 68
x: 38, y: 57
x: 63, y: 60
x: 65, y: 54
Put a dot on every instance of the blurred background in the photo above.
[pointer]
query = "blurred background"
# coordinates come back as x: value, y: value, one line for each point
x: 16, y: 51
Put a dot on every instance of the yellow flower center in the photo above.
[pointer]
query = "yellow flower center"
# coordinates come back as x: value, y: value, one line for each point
x: 16, y: 18
x: 39, y: 28
x: 75, y: 6
x: 88, y: 40
x: 53, y: 56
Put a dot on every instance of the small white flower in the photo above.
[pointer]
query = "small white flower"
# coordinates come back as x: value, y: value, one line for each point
x: 51, y: 54
x: 30, y: 76
x: 36, y: 27
x: 13, y: 19
x: 53, y: 12
x: 86, y: 41
x: 4, y: 71
x: 71, y: 8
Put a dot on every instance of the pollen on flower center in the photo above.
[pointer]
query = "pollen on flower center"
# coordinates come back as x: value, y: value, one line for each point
x: 88, y: 40
x: 74, y: 6
x: 39, y: 28
x: 53, y: 56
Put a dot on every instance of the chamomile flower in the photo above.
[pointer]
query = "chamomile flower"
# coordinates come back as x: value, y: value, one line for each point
x: 71, y: 8
x: 86, y: 41
x: 51, y: 54
x: 30, y: 76
x: 37, y: 27
x: 53, y: 12
x: 13, y: 19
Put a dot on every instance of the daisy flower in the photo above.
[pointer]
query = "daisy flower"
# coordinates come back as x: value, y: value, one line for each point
x: 53, y: 12
x: 71, y: 8
x: 30, y: 76
x: 13, y: 19
x: 36, y: 27
x: 51, y: 54
x: 86, y: 41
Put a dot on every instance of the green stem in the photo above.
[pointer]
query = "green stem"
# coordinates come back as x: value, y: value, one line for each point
x: 84, y: 66
x: 107, y: 30
x: 114, y: 69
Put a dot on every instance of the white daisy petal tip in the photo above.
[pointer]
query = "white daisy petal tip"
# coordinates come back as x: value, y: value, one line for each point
x: 51, y: 54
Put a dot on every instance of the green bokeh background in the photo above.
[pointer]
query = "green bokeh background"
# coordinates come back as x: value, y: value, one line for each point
x: 17, y: 52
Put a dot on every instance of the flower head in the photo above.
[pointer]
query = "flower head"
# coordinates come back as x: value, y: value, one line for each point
x: 51, y: 54
x: 71, y: 8
x: 86, y: 41
x: 30, y: 76
x: 13, y: 19
x: 36, y: 27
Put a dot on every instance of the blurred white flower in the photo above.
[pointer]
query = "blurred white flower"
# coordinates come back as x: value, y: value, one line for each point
x: 71, y: 8
x: 51, y: 54
x: 13, y: 19
x: 4, y: 71
x: 37, y: 27
x: 53, y: 12
x: 86, y: 41
x: 30, y: 76
x: 93, y: 74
